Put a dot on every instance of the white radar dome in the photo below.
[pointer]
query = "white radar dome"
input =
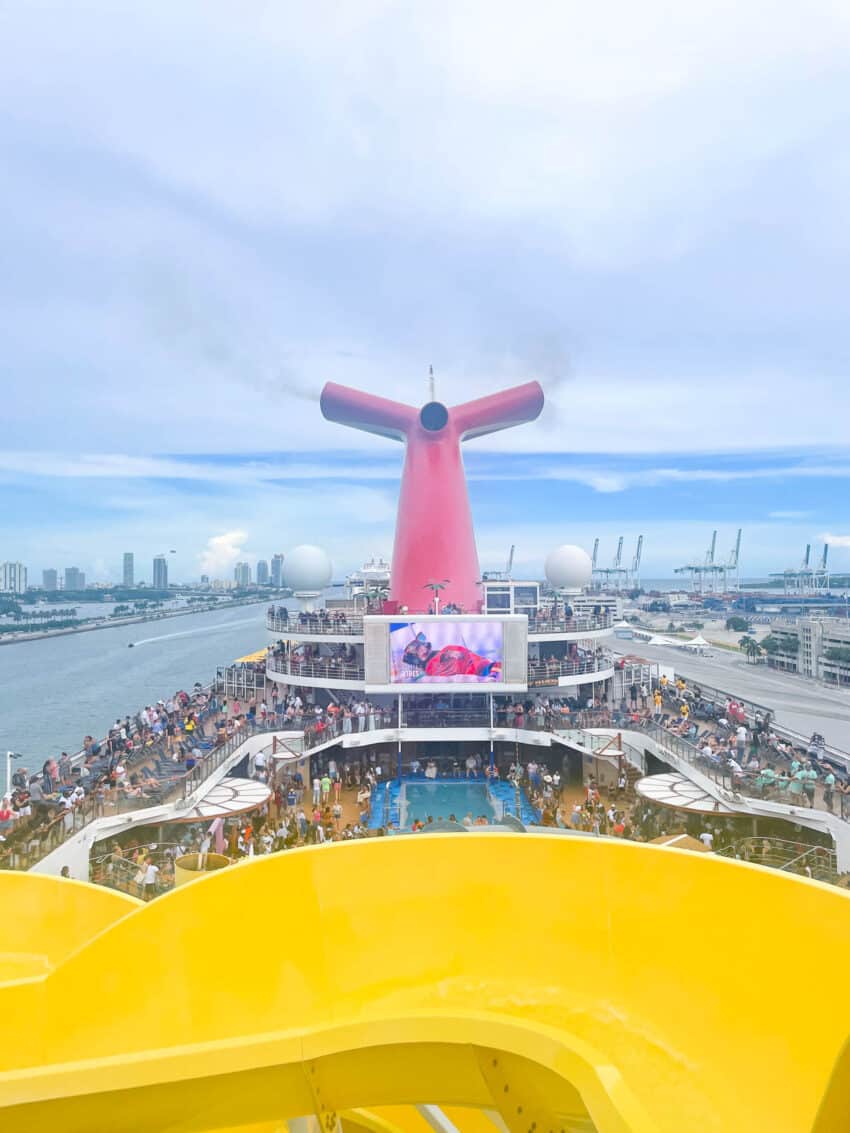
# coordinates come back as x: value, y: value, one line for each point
x: 568, y: 568
x: 307, y: 569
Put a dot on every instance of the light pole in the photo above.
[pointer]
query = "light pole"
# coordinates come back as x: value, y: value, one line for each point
x: 10, y: 755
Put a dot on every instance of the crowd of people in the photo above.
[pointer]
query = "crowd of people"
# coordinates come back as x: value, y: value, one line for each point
x: 567, y: 660
x: 747, y: 753
x: 317, y: 621
x: 311, y: 659
x: 287, y: 708
x: 144, y: 756
x: 137, y: 763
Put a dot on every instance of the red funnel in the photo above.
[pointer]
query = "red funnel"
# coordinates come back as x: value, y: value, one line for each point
x: 434, y: 538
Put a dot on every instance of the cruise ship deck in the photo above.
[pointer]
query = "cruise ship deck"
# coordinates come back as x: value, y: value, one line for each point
x: 468, y: 950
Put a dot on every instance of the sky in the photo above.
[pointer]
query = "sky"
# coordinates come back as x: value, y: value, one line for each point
x: 212, y: 209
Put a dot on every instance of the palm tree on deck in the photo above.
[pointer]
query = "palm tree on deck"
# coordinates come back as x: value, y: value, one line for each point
x: 435, y: 587
x: 376, y: 594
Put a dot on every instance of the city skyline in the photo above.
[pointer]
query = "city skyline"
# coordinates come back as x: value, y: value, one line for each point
x: 53, y: 578
x: 220, y: 509
x: 233, y: 558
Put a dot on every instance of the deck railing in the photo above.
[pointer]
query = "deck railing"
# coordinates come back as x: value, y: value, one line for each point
x: 750, y: 783
x: 579, y: 623
x: 719, y: 697
x: 27, y: 843
x: 543, y: 673
x: 801, y: 858
x: 351, y: 625
x: 325, y: 668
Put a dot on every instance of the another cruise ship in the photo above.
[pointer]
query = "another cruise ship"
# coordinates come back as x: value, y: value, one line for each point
x: 373, y: 576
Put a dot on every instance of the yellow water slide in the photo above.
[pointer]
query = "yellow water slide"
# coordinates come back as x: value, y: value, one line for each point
x: 537, y: 983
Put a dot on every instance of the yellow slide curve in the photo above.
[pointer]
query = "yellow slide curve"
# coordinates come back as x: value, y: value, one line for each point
x: 535, y: 982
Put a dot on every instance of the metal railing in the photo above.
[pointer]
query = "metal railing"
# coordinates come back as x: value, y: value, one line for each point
x: 801, y: 858
x: 414, y: 716
x: 335, y: 625
x: 579, y: 623
x: 189, y: 782
x: 751, y: 783
x: 27, y: 844
x: 114, y: 871
x: 326, y: 668
x: 505, y: 717
x: 719, y: 698
x: 542, y: 673
x: 351, y: 625
x: 242, y: 681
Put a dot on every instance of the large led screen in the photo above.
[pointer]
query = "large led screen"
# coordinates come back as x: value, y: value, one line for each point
x: 446, y: 652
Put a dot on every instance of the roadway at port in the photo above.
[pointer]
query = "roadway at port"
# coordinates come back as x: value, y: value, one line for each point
x: 567, y: 983
x: 799, y: 703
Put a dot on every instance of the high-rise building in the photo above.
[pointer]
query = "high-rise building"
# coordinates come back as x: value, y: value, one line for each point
x: 13, y: 578
x: 129, y: 569
x: 75, y: 579
x: 242, y: 574
x: 277, y: 571
x: 160, y: 572
x: 205, y: 580
x: 50, y: 579
x: 262, y: 572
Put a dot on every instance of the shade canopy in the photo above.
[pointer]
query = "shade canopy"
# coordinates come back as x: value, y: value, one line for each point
x: 675, y: 791
x: 229, y: 797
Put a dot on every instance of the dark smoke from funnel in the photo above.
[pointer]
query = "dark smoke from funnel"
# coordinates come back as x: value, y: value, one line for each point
x: 205, y: 332
x: 296, y: 385
x: 549, y: 361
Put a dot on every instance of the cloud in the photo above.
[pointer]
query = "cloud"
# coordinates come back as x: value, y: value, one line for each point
x: 646, y: 209
x: 222, y: 553
x: 616, y: 475
x: 835, y: 540
x: 356, y: 197
x: 212, y: 468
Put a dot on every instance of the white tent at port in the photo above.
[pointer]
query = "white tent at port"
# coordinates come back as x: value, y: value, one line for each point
x: 697, y: 644
x: 657, y: 639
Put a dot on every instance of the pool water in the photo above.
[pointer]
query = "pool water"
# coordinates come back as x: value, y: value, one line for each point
x: 440, y: 799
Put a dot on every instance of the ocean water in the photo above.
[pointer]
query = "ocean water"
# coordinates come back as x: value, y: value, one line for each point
x: 56, y: 690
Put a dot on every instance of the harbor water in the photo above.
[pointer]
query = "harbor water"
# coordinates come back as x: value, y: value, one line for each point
x: 56, y: 690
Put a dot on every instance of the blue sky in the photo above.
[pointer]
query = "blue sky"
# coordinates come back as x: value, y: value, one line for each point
x: 210, y: 212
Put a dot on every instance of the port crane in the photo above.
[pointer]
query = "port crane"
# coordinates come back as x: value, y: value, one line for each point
x: 635, y: 579
x: 806, y: 578
x: 711, y: 575
x: 617, y: 576
x: 502, y: 575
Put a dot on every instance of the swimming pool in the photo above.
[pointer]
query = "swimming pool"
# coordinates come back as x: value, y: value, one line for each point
x: 440, y: 799
x: 400, y: 802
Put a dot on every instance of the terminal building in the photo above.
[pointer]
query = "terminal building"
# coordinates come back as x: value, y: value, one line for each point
x: 814, y: 647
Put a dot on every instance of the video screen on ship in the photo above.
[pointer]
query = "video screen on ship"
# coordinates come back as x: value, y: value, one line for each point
x: 446, y: 652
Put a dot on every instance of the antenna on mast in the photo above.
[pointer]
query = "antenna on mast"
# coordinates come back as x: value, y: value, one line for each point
x: 432, y: 395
